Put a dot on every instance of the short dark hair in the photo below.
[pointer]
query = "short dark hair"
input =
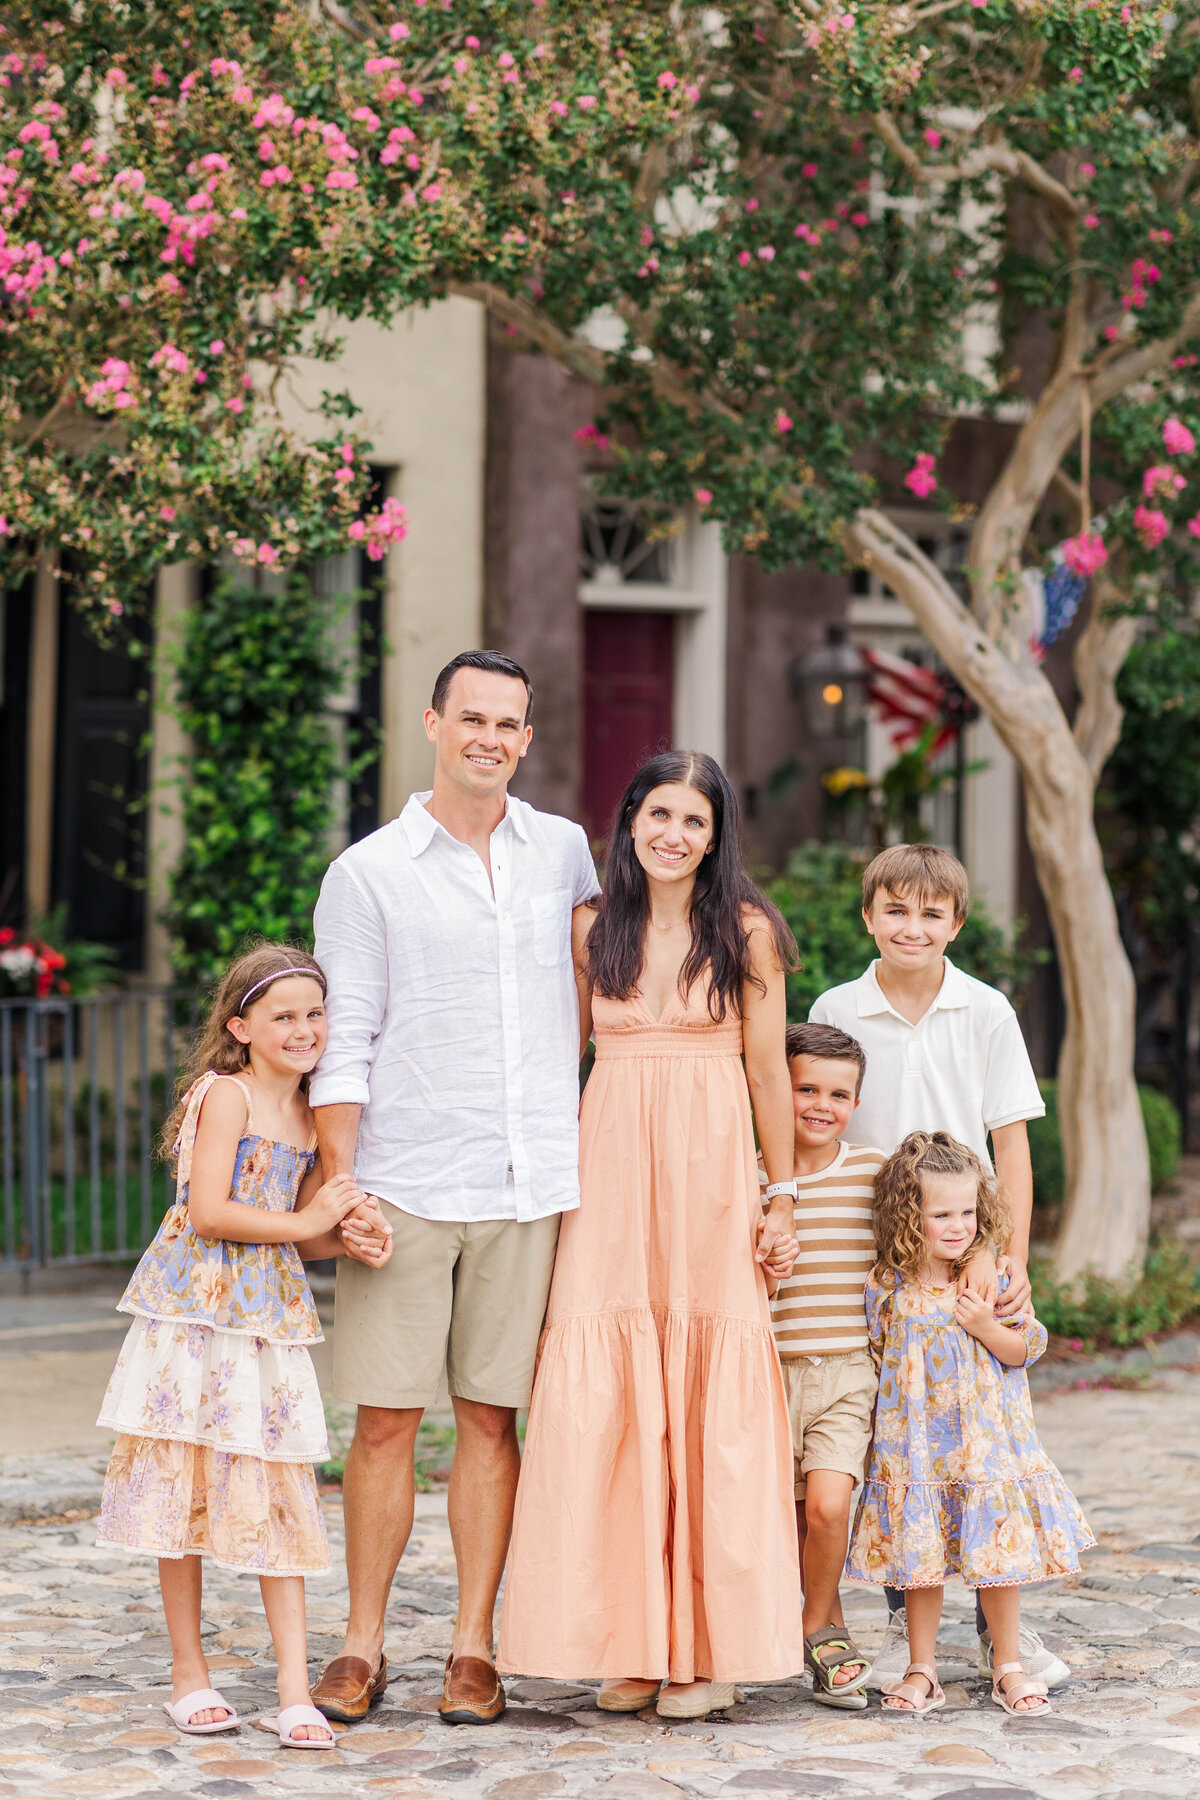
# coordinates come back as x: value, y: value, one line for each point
x: 827, y: 1041
x: 492, y: 662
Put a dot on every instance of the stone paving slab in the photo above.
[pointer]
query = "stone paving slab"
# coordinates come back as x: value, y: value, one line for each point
x: 83, y: 1670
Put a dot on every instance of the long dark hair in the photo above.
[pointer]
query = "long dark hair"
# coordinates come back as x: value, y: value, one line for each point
x: 616, y: 947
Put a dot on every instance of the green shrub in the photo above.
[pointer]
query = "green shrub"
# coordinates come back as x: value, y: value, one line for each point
x: 820, y: 895
x: 1045, y: 1143
x: 1105, y: 1312
x: 256, y: 674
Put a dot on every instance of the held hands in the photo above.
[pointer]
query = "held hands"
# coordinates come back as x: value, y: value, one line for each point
x: 366, y: 1234
x: 778, y: 1248
x: 330, y: 1204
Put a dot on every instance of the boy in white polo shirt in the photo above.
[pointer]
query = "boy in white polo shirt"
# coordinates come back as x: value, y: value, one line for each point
x: 944, y: 1053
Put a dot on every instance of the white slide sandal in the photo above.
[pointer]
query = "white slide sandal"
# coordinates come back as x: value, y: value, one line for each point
x: 181, y: 1712
x: 284, y: 1723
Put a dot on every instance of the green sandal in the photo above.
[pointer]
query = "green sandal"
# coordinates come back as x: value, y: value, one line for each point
x: 835, y: 1639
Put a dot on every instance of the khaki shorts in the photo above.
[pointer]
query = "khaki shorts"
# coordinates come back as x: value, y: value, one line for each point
x: 831, y: 1400
x: 469, y: 1298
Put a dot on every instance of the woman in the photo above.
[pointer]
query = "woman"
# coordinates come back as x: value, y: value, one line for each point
x: 654, y: 1538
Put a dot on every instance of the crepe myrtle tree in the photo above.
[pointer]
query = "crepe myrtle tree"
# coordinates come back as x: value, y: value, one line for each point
x: 787, y: 212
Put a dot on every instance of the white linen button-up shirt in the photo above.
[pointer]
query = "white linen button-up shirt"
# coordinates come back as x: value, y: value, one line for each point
x: 453, y: 1013
x: 962, y: 1068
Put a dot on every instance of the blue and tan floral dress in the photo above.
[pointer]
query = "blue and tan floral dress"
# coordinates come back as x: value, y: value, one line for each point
x: 957, y: 1481
x: 214, y: 1396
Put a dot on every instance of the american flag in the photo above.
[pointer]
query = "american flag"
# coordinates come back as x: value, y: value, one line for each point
x: 908, y: 697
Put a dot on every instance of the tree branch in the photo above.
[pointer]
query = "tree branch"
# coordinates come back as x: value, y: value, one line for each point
x: 1100, y: 650
x: 1002, y: 157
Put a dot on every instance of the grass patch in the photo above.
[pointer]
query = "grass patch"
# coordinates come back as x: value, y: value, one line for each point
x: 1108, y: 1315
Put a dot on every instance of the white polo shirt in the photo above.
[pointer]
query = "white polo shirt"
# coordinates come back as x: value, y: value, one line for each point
x: 962, y: 1068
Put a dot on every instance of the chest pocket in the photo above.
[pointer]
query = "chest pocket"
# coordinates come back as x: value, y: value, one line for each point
x: 552, y: 927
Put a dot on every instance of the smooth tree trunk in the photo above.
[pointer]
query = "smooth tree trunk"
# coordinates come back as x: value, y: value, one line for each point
x: 1107, y: 1211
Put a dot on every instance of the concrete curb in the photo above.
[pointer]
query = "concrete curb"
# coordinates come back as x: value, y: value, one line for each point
x: 46, y: 1487
x: 1180, y: 1351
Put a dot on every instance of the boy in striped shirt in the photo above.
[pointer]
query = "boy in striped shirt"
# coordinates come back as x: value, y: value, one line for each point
x: 820, y: 1327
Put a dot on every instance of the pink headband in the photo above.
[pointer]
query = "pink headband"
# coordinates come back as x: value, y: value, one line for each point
x: 277, y: 976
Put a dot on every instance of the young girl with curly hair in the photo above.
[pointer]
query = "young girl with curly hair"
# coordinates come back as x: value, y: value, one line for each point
x: 956, y: 1481
x: 214, y: 1398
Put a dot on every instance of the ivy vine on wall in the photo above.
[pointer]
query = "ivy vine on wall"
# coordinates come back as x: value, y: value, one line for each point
x: 255, y: 676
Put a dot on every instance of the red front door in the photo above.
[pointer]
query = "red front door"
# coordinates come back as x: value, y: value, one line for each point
x: 627, y: 696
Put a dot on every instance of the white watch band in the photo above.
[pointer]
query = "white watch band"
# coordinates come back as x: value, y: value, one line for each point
x: 781, y: 1187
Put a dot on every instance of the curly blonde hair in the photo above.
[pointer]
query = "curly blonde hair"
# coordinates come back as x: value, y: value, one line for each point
x: 899, y: 1233
x: 215, y: 1047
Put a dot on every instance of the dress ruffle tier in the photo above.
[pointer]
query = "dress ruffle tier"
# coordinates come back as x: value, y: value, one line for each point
x: 214, y: 1396
x: 654, y: 1533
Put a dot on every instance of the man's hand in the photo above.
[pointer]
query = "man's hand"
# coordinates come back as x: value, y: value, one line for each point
x: 1019, y: 1293
x: 366, y: 1234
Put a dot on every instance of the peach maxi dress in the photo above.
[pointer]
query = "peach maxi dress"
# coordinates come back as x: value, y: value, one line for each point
x: 655, y: 1532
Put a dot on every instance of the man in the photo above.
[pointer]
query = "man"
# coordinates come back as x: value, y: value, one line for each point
x: 450, y: 1089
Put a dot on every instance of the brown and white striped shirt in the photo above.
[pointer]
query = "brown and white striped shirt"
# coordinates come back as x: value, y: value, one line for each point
x: 818, y: 1310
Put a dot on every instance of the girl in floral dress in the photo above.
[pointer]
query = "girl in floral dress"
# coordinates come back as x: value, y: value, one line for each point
x: 214, y: 1395
x: 957, y: 1481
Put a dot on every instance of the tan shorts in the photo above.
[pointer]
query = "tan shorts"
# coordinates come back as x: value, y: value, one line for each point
x: 469, y: 1298
x: 831, y: 1400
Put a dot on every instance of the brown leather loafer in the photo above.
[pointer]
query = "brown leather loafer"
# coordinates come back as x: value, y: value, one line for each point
x: 472, y: 1693
x: 347, y: 1688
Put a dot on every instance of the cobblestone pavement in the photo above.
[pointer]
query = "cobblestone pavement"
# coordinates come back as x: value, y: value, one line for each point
x: 83, y: 1671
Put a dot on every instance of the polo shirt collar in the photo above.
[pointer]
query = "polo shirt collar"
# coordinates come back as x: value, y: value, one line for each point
x: 420, y: 827
x: 872, y: 1000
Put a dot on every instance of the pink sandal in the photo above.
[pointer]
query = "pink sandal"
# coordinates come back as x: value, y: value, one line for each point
x: 906, y: 1697
x: 1022, y: 1690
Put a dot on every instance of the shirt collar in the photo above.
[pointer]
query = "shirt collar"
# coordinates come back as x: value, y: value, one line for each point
x: 420, y: 826
x: 872, y: 1000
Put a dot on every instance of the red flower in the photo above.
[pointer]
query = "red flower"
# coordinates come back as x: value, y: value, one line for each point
x: 7, y: 934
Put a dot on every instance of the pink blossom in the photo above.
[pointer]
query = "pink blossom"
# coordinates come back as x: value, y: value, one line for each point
x: 1085, y: 554
x: 703, y: 496
x: 472, y: 43
x: 461, y: 65
x: 366, y: 117
x: 1087, y: 170
x: 167, y: 513
x: 341, y: 178
x: 586, y: 102
x: 1193, y: 526
x: 667, y: 79
x: 243, y: 95
x: 387, y: 526
x: 1177, y: 438
x: 767, y: 253
x: 1112, y: 333
x: 398, y: 32
x: 744, y: 258
x: 1075, y: 74
x: 752, y: 205
x: 808, y: 170
x: 932, y: 138
x: 216, y: 347
x: 267, y: 554
x: 1162, y: 482
x: 432, y: 192
x: 1090, y: 221
x: 235, y: 405
x: 921, y: 479
x: 1151, y: 526
x: 558, y: 108
x: 117, y: 78
x: 859, y: 218
x: 506, y: 59
x: 590, y: 434
x: 783, y: 424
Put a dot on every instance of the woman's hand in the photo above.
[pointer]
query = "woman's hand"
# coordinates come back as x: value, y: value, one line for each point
x: 782, y: 1254
x: 366, y: 1234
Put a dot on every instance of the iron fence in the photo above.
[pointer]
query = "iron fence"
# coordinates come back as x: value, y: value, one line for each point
x: 83, y: 1092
